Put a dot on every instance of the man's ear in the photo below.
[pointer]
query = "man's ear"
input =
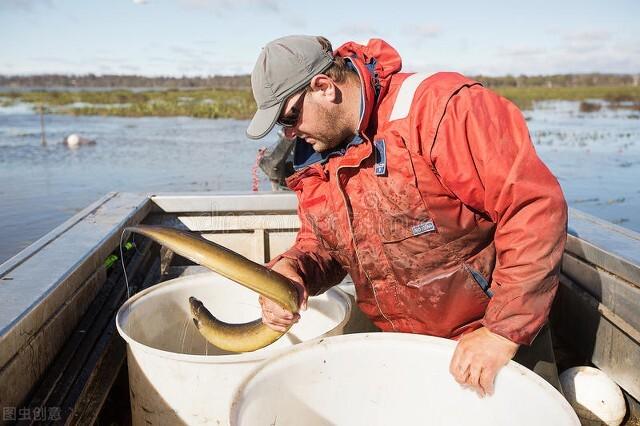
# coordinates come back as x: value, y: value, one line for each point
x: 326, y: 86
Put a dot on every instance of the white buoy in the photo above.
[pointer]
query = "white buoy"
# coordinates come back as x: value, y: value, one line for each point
x: 595, y: 398
x: 74, y: 141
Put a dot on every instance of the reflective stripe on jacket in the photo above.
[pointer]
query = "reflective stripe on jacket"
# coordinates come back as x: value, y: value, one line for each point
x: 444, y: 204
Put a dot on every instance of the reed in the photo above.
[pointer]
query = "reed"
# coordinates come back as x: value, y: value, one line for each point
x: 239, y: 103
x: 202, y: 103
x: 524, y: 97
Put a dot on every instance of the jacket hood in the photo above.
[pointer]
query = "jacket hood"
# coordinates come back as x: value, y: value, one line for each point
x: 376, y: 62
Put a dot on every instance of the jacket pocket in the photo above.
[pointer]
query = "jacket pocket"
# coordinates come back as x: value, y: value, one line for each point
x: 480, y: 280
x: 395, y: 198
x: 442, y: 300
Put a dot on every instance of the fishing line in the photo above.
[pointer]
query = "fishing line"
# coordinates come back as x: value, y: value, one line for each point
x: 184, y: 335
x: 126, y: 280
x: 124, y: 269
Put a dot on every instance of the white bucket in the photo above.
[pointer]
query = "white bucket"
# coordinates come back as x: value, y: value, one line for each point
x: 388, y: 379
x: 175, y: 376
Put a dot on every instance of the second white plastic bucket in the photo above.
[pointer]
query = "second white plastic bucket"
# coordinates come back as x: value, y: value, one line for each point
x: 175, y: 376
x: 388, y: 379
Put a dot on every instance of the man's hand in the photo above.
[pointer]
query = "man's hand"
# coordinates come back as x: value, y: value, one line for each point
x: 478, y: 358
x: 273, y: 315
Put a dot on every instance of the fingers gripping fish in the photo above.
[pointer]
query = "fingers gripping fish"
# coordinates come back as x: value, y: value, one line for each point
x: 272, y: 285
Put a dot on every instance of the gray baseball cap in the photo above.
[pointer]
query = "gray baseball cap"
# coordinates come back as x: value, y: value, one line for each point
x: 284, y: 66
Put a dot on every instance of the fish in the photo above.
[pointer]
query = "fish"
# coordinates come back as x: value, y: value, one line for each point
x: 245, y: 337
x: 231, y: 337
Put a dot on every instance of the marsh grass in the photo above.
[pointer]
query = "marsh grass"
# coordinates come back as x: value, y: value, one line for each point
x: 239, y: 103
x: 206, y: 103
x: 586, y: 106
x: 524, y: 97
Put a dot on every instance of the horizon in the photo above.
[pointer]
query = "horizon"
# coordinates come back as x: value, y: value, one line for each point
x: 192, y: 38
x: 604, y: 74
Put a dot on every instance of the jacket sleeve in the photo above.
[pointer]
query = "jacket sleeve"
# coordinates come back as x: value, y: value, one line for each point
x: 318, y: 269
x: 485, y: 157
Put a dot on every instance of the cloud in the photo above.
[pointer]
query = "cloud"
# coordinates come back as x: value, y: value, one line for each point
x: 184, y: 51
x: 194, y: 61
x: 582, y: 48
x: 24, y: 5
x: 130, y: 68
x: 586, y: 41
x: 192, y: 53
x: 294, y: 21
x: 358, y: 31
x: 159, y: 60
x: 111, y: 60
x: 140, y: 2
x: 96, y: 64
x: 413, y: 64
x: 205, y: 43
x: 220, y: 6
x: 53, y: 60
x: 576, y: 52
x: 523, y: 51
x: 422, y: 31
x: 564, y: 59
x: 588, y: 36
x: 213, y: 67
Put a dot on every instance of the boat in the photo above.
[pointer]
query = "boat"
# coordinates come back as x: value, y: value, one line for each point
x: 62, y: 361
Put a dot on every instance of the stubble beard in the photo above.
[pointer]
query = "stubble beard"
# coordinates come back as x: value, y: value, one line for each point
x: 336, y: 129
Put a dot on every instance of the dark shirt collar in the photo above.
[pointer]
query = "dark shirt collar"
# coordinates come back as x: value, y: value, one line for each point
x: 304, y: 154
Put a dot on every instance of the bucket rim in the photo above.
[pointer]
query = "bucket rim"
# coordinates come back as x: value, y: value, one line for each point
x: 121, y: 318
x: 395, y: 337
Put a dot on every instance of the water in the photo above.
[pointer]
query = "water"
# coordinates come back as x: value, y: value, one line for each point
x: 41, y: 187
x: 596, y: 157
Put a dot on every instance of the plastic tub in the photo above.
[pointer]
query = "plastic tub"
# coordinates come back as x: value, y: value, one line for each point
x: 388, y: 379
x: 175, y: 376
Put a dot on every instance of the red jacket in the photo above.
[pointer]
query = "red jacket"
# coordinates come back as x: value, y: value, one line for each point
x: 444, y: 204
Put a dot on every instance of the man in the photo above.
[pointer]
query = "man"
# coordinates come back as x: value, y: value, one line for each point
x: 426, y: 190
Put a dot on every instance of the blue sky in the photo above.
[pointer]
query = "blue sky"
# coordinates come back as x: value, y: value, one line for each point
x: 206, y: 37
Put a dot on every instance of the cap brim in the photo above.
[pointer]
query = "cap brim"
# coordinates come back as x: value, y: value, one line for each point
x: 263, y: 121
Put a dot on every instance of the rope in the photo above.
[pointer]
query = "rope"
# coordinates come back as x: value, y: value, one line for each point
x: 254, y: 170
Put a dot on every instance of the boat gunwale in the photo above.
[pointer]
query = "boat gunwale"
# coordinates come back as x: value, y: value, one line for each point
x: 593, y: 241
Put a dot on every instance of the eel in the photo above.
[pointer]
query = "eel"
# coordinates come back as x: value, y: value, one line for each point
x: 245, y: 337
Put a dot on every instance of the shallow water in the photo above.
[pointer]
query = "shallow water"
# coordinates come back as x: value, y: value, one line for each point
x: 596, y: 157
x: 44, y: 185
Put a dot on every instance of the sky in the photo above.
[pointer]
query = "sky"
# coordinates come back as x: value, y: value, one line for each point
x: 224, y: 37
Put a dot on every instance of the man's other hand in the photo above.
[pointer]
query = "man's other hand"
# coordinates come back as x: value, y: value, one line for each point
x: 478, y: 357
x: 273, y: 315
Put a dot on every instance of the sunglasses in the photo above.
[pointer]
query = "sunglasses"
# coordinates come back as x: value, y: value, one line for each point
x: 291, y: 119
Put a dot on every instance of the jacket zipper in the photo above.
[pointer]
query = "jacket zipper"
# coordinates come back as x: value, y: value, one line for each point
x: 355, y: 248
x: 348, y: 208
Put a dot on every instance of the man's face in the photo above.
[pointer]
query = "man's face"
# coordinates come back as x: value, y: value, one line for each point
x: 313, y: 116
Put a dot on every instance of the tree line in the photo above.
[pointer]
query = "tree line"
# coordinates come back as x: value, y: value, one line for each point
x: 124, y: 81
x: 243, y: 82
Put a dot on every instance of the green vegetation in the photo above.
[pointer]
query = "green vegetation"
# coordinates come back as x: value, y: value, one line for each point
x: 58, y: 81
x: 239, y: 103
x: 207, y: 103
x: 560, y: 80
x: 525, y: 96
